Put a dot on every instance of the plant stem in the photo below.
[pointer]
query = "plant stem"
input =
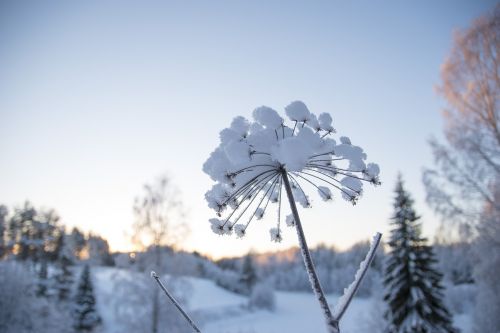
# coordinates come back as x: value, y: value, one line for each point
x: 350, y: 291
x: 177, y: 305
x: 331, y: 324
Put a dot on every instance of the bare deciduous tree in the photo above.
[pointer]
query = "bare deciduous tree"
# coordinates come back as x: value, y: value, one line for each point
x: 468, y: 165
x: 159, y: 223
x: 466, y: 185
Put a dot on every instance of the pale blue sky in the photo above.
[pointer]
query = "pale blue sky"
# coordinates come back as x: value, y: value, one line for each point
x: 98, y: 97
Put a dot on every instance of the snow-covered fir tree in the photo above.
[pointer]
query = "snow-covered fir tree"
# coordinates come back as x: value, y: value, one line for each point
x: 3, y: 226
x: 414, y: 292
x: 85, y: 313
x: 42, y: 284
x: 248, y: 274
x: 63, y: 279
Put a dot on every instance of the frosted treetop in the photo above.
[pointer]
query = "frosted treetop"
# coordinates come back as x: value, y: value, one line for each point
x: 252, y: 156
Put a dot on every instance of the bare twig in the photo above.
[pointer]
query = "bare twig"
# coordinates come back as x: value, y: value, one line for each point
x: 350, y: 291
x: 177, y: 305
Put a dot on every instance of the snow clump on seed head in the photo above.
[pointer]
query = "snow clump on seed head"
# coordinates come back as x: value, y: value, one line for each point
x: 252, y: 157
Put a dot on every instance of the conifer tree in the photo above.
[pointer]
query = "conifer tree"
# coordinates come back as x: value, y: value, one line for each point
x: 248, y: 275
x: 3, y: 226
x: 85, y: 312
x: 414, y: 292
x: 64, y: 276
x: 42, y: 286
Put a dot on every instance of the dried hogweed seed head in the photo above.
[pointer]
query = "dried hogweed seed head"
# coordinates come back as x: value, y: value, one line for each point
x: 248, y: 165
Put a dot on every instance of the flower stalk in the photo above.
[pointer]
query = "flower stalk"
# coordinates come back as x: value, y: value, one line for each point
x: 255, y: 159
x: 174, y: 302
x: 331, y: 323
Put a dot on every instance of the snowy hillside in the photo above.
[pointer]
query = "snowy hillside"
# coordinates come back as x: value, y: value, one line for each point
x: 220, y: 311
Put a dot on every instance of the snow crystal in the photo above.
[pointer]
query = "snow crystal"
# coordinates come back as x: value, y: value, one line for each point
x: 290, y: 221
x: 228, y: 228
x: 314, y: 123
x: 275, y: 235
x: 345, y: 140
x: 259, y: 213
x: 239, y: 229
x: 301, y: 198
x: 325, y: 122
x: 310, y: 138
x: 325, y: 193
x: 228, y: 135
x: 240, y: 125
x: 372, y: 169
x: 267, y: 117
x: 292, y: 153
x: 237, y: 152
x: 216, y: 226
x: 298, y: 111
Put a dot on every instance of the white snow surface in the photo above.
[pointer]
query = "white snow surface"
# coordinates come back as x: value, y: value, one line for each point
x: 226, y: 312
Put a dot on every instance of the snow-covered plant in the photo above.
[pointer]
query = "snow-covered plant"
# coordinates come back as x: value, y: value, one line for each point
x: 262, y: 297
x: 257, y: 159
x: 174, y: 302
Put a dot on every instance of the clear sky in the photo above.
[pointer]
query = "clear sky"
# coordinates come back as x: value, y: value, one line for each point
x: 99, y: 97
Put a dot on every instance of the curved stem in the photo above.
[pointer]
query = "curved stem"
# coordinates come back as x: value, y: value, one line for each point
x: 331, y: 324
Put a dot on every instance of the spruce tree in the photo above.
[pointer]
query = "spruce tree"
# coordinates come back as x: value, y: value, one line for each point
x: 64, y: 276
x: 42, y: 286
x: 248, y: 275
x: 85, y: 312
x: 3, y: 226
x: 414, y: 292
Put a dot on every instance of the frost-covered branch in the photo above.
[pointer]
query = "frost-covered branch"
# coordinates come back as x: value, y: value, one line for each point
x: 350, y: 291
x: 174, y: 302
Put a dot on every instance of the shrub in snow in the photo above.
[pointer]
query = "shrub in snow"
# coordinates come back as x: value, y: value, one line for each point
x: 20, y: 310
x: 256, y: 160
x: 460, y: 298
x: 16, y: 298
x: 248, y: 276
x: 456, y: 261
x: 231, y: 280
x: 262, y: 297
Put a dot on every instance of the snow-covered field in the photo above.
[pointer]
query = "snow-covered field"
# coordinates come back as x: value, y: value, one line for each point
x: 226, y: 312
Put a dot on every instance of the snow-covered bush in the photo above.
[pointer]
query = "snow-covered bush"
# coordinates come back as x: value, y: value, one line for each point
x: 230, y: 280
x: 16, y: 298
x: 262, y: 297
x: 456, y: 261
x: 20, y: 310
x: 123, y: 260
x: 460, y: 298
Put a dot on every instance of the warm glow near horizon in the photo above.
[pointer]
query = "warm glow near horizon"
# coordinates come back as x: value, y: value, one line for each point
x: 97, y: 99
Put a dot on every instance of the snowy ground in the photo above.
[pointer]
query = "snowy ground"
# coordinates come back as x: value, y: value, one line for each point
x: 295, y: 312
